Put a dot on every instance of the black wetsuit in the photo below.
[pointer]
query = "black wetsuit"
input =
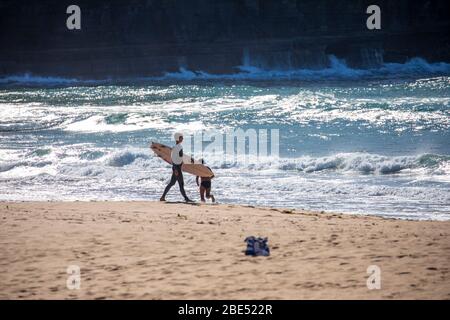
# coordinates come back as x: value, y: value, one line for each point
x: 177, y: 175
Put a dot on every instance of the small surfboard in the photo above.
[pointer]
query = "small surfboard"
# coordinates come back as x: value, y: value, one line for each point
x: 190, y: 165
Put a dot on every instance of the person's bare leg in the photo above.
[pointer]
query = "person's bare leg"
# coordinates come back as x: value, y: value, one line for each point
x: 202, y: 193
x: 209, y: 195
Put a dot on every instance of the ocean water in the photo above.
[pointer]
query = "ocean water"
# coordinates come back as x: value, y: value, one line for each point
x: 355, y: 141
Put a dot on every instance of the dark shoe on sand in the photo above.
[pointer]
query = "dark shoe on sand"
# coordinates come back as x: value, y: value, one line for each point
x: 162, y: 199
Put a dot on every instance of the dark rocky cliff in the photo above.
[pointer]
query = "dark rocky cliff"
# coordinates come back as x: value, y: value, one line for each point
x: 124, y: 38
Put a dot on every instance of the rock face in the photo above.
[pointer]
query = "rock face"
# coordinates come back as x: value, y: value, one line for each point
x: 127, y: 38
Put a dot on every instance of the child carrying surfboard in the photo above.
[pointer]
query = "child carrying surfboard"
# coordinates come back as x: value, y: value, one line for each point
x: 205, y: 186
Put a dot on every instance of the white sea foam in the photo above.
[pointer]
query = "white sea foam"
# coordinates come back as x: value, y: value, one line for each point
x: 342, y: 181
x: 337, y: 70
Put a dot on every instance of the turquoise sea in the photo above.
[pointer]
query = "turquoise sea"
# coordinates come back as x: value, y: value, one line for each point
x: 371, y: 141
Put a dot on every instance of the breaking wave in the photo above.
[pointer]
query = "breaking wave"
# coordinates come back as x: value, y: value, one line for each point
x: 369, y: 163
x: 123, y: 158
x: 32, y: 80
x: 362, y: 163
x: 337, y: 70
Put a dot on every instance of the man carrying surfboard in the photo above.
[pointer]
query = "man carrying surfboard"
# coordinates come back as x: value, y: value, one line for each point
x: 177, y: 175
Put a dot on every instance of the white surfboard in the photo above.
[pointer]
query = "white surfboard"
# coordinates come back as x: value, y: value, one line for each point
x: 190, y: 165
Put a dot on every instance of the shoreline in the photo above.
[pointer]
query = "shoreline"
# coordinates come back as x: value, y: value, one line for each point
x: 154, y: 250
x: 242, y: 205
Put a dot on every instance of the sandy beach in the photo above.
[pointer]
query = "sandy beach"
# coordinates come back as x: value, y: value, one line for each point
x: 152, y: 250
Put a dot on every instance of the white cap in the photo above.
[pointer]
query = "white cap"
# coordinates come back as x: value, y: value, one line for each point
x: 177, y: 136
